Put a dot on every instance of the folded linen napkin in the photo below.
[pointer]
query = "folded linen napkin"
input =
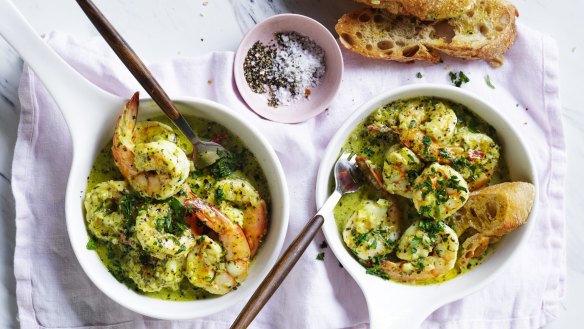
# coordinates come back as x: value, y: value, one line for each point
x: 53, y: 291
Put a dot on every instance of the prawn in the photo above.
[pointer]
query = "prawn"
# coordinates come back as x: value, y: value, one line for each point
x: 431, y: 133
x: 253, y: 217
x: 151, y: 274
x: 217, y: 267
x: 147, y: 155
x: 372, y: 230
x: 439, y: 191
x: 483, y: 156
x: 104, y: 217
x: 153, y: 231
x: 428, y: 131
x: 426, y: 250
x: 400, y: 168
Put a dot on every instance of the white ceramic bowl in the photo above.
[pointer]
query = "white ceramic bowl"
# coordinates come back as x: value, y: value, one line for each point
x: 321, y: 96
x: 395, y: 305
x: 262, y: 263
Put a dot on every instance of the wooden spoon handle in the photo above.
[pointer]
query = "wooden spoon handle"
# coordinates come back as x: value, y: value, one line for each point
x: 278, y: 273
x: 129, y: 58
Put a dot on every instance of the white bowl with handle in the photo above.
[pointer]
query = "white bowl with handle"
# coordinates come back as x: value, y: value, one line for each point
x: 396, y: 305
x: 90, y: 114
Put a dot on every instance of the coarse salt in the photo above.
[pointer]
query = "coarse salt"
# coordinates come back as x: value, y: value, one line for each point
x: 289, y: 68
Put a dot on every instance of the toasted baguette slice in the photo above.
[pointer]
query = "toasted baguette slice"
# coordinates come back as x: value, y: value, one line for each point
x: 422, y: 9
x: 491, y: 213
x: 498, y: 209
x: 379, y: 34
x: 472, y: 247
x: 486, y: 31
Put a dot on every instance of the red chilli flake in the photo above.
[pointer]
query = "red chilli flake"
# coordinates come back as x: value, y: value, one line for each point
x: 221, y: 137
x: 475, y: 154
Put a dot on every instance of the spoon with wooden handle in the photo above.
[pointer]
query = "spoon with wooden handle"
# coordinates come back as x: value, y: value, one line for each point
x: 347, y: 180
x: 205, y: 153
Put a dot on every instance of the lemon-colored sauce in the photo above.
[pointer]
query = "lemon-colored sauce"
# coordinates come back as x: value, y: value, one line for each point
x: 104, y: 169
x: 373, y: 146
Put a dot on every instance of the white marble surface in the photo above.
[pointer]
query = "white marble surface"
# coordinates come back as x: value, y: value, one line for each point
x: 162, y: 29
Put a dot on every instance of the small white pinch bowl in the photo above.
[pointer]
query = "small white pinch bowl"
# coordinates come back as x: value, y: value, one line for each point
x: 90, y: 114
x: 395, y: 305
x: 320, y: 97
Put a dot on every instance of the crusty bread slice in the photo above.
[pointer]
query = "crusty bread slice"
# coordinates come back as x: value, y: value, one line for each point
x: 499, y: 209
x: 491, y: 213
x: 379, y: 34
x: 486, y: 31
x: 422, y: 9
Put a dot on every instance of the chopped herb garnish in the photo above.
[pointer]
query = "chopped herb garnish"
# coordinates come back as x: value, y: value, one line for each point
x: 228, y: 163
x: 323, y: 244
x: 90, y: 244
x: 130, y: 204
x: 488, y: 81
x: 160, y: 224
x: 180, y: 249
x: 219, y: 195
x: 415, y: 241
x: 458, y: 79
x: 419, y: 75
x: 376, y: 269
x: 427, y: 142
x: 320, y: 256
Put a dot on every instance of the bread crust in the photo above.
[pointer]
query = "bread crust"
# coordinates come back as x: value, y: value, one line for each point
x: 498, y: 209
x: 484, y: 31
x: 422, y: 9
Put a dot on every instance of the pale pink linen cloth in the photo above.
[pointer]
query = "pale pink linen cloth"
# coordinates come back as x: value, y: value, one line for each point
x: 53, y: 291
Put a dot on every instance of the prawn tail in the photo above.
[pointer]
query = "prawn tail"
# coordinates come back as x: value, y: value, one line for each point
x: 255, y: 226
x: 371, y: 173
x: 122, y: 146
x: 127, y: 121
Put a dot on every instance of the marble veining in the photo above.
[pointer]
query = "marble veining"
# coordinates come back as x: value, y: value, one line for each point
x: 249, y: 12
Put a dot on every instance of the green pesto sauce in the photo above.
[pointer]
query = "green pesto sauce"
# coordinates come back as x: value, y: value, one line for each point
x: 373, y: 145
x: 104, y: 169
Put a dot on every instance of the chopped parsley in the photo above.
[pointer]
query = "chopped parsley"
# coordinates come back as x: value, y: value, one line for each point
x: 219, y: 195
x: 174, y: 222
x: 323, y: 245
x: 419, y: 75
x: 427, y: 142
x: 320, y: 256
x: 431, y: 227
x: 458, y: 78
x: 130, y: 204
x: 488, y: 81
x: 90, y: 245
x: 226, y: 164
x: 376, y: 269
